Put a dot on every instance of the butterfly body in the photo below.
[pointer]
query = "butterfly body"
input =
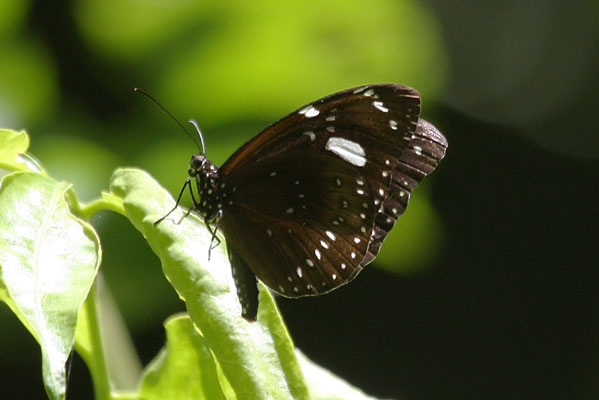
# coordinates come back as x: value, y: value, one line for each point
x: 307, y: 203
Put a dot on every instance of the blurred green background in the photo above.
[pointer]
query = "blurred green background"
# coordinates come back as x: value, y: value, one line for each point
x: 487, y: 286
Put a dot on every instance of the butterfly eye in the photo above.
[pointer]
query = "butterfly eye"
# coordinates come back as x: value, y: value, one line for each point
x: 197, y: 162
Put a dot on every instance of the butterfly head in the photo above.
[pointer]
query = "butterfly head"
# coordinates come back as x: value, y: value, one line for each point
x: 201, y: 165
x: 197, y: 165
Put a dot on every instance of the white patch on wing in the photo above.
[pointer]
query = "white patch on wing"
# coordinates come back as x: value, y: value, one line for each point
x: 309, y: 111
x: 349, y: 151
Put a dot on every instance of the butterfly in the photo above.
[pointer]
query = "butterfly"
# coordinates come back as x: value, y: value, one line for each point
x: 308, y: 202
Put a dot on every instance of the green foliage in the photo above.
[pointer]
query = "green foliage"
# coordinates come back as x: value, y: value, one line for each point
x: 49, y: 261
x: 232, y: 66
x: 241, y: 58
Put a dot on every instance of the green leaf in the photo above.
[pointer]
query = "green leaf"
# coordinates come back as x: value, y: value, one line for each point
x: 254, y: 357
x: 48, y: 262
x: 185, y: 369
x: 326, y: 386
x: 12, y: 144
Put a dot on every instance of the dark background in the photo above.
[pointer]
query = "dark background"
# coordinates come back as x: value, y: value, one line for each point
x: 488, y: 290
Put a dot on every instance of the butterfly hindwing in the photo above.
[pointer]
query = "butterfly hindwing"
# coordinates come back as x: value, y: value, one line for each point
x: 314, y: 225
x: 425, y: 150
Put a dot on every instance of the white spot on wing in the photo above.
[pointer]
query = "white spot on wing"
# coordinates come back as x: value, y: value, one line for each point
x: 393, y: 124
x: 379, y: 105
x: 309, y: 111
x: 311, y: 135
x: 369, y: 92
x: 309, y: 262
x: 299, y: 272
x: 331, y: 235
x: 317, y: 253
x: 348, y: 150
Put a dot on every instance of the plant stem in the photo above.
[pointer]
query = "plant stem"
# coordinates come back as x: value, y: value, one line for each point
x: 88, y: 210
x: 89, y: 345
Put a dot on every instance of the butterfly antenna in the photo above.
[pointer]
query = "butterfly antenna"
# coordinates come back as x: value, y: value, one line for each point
x: 149, y: 96
x: 195, y: 124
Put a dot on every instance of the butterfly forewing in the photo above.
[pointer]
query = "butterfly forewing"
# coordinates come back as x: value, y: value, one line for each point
x: 365, y: 115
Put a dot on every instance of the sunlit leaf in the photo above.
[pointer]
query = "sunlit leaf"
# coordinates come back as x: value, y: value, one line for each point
x: 12, y: 144
x: 48, y: 261
x: 185, y: 369
x: 251, y: 355
x: 326, y: 386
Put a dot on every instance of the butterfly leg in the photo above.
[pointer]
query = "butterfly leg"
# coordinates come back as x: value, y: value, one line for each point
x: 185, y: 185
x: 213, y: 232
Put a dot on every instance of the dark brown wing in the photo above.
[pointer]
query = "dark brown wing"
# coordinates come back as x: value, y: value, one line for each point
x: 425, y: 150
x: 306, y: 225
x: 366, y: 114
x: 317, y: 192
